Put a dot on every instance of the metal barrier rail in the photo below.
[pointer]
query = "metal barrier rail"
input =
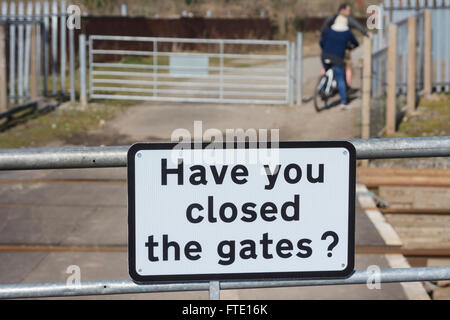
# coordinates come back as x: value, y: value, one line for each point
x: 189, y: 40
x: 104, y: 157
x: 61, y: 289
x: 94, y: 157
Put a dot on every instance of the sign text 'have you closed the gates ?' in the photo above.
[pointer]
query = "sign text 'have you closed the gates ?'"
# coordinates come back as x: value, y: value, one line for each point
x: 193, y: 216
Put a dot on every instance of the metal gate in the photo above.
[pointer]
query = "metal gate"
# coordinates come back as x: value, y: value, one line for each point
x: 190, y: 70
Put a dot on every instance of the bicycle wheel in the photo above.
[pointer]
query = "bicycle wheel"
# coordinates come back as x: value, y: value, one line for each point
x: 320, y: 98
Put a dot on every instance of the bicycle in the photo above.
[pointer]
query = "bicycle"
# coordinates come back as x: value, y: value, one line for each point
x: 326, y: 88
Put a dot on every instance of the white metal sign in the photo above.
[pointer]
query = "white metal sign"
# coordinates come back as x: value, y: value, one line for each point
x: 231, y: 213
x: 189, y: 65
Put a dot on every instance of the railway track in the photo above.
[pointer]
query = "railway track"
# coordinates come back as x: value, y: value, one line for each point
x: 418, y: 210
x: 408, y: 252
x: 372, y: 177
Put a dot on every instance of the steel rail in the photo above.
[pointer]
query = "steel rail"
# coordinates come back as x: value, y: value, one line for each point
x: 163, y: 67
x: 193, y: 40
x: 168, y: 54
x: 190, y: 92
x: 187, y: 75
x: 61, y: 289
x: 185, y: 99
x: 189, y: 84
x: 95, y: 157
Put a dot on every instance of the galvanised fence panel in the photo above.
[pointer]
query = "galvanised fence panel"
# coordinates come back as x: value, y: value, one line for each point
x: 191, y: 70
x: 396, y: 11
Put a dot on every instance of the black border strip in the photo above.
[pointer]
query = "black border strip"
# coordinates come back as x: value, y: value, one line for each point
x: 241, y: 276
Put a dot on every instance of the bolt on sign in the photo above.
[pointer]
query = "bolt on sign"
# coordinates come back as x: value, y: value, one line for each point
x: 237, y: 211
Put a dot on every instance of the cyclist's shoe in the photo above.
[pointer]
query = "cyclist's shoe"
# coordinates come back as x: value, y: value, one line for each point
x: 346, y: 106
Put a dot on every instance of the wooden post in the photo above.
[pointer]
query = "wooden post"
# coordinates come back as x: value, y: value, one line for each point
x: 34, y: 64
x: 391, y: 82
x: 412, y: 54
x: 428, y: 60
x: 367, y: 84
x: 366, y: 90
x: 3, y: 89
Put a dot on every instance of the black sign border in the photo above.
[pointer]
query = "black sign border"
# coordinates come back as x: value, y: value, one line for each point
x: 348, y: 271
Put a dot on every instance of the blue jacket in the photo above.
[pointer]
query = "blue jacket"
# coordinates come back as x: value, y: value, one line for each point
x: 335, y: 43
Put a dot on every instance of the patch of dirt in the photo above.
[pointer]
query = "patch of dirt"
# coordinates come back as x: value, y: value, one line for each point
x: 107, y: 137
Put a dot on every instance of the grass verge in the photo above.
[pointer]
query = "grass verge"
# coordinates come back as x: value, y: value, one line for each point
x: 37, y: 129
x: 432, y: 118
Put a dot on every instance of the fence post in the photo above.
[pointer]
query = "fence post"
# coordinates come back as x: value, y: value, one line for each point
x: 366, y: 93
x: 63, y: 48
x: 12, y: 53
x: 214, y: 290
x: 292, y: 74
x: 221, y: 50
x: 54, y: 47
x: 37, y: 10
x: 299, y: 68
x: 412, y: 56
x: 20, y: 53
x: 33, y: 64
x: 46, y: 10
x: 27, y: 53
x: 391, y: 82
x: 83, y: 94
x: 3, y: 89
x: 72, y: 64
x: 428, y: 60
x: 367, y: 85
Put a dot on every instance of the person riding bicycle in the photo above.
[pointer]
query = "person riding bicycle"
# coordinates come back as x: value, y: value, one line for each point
x: 345, y: 10
x: 334, y: 43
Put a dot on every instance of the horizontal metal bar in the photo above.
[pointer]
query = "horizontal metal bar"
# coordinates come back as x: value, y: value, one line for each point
x: 123, y: 89
x: 34, y: 16
x: 187, y: 40
x: 190, y: 92
x: 189, y: 84
x: 21, y: 22
x: 123, y: 73
x: 167, y: 75
x: 150, y: 67
x: 167, y: 83
x: 143, y: 90
x: 122, y: 65
x: 389, y: 148
x: 185, y: 99
x: 123, y: 81
x: 63, y: 158
x: 110, y: 287
x: 96, y: 157
x: 123, y: 52
x: 170, y: 54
